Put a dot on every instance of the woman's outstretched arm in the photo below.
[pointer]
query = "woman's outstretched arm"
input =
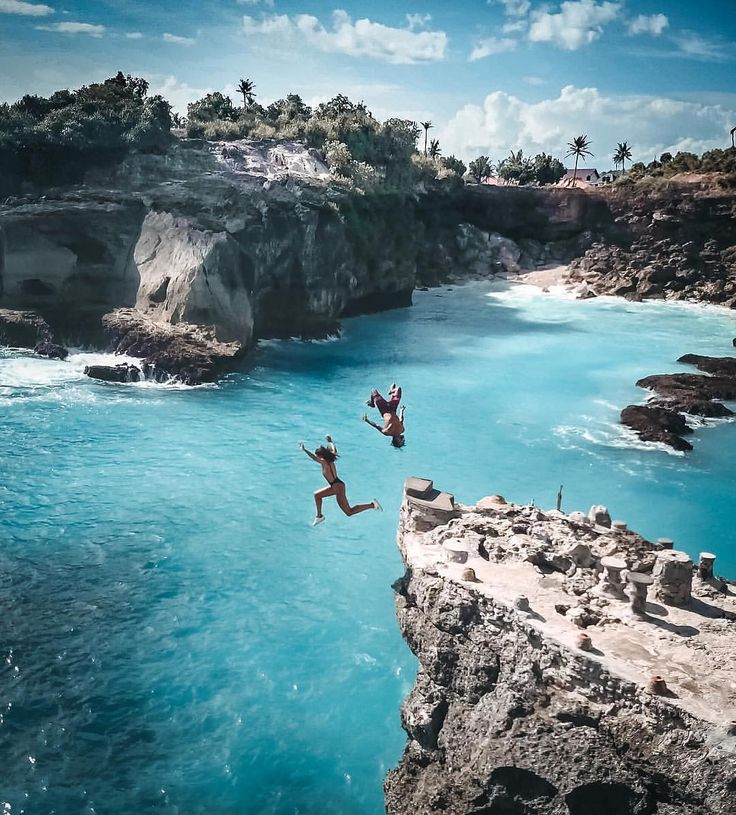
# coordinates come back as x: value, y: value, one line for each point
x: 310, y: 454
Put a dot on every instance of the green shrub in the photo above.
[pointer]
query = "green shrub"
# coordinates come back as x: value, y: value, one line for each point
x: 54, y: 139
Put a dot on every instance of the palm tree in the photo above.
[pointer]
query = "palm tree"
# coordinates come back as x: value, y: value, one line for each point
x: 623, y: 152
x: 246, y: 87
x: 578, y: 147
x: 434, y: 149
x: 426, y: 126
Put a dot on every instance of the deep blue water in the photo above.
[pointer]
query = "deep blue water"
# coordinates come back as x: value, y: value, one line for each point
x: 175, y: 636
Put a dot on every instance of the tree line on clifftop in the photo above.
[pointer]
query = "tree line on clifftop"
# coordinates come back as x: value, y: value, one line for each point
x: 54, y: 139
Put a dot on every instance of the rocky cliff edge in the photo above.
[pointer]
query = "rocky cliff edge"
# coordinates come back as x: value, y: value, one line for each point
x: 566, y: 665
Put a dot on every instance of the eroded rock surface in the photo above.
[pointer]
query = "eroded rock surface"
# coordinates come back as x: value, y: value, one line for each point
x: 677, y: 242
x: 514, y: 711
x: 191, y: 354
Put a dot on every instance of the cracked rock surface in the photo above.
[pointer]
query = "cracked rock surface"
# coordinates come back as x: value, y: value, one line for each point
x: 509, y: 716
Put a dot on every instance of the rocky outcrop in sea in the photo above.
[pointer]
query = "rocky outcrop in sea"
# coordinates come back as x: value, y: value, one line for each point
x: 566, y: 666
x: 681, y: 396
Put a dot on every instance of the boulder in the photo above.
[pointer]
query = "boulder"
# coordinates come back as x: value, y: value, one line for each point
x: 695, y: 387
x: 657, y: 424
x: 599, y: 515
x: 718, y: 366
x: 49, y: 349
x: 114, y: 373
x: 188, y: 353
x: 22, y: 329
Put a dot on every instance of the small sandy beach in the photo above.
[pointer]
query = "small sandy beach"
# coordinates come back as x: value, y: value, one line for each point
x: 542, y: 278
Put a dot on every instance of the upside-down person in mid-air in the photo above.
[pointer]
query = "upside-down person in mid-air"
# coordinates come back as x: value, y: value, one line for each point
x: 325, y: 457
x: 393, y: 415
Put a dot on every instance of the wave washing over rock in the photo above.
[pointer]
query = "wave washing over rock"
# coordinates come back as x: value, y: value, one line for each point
x: 567, y: 666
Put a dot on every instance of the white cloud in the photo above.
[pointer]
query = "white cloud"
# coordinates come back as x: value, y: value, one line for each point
x: 653, y: 24
x: 275, y: 24
x: 176, y: 40
x: 514, y: 27
x: 416, y: 21
x: 74, y: 28
x: 268, y: 3
x: 534, y: 80
x: 491, y: 45
x: 134, y: 35
x: 650, y: 124
x: 577, y: 23
x: 362, y: 38
x: 694, y: 46
x: 179, y: 94
x: 515, y: 8
x: 26, y: 9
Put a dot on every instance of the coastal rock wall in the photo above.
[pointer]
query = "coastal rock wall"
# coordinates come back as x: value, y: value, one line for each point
x: 534, y: 693
x: 676, y: 241
x: 71, y: 260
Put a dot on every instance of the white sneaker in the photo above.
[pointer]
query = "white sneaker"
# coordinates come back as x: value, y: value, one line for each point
x: 318, y: 520
x: 376, y: 505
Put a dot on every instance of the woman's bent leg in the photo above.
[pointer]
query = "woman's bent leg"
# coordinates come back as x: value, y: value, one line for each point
x: 344, y: 504
x: 319, y: 495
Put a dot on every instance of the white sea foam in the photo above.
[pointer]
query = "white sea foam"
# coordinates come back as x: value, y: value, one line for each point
x: 612, y: 435
x: 26, y: 375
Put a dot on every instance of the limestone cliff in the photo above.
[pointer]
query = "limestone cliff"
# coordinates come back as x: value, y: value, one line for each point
x: 254, y: 239
x: 541, y: 687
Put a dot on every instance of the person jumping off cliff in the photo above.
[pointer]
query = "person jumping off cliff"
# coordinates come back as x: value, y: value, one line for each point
x: 326, y: 457
x: 393, y: 415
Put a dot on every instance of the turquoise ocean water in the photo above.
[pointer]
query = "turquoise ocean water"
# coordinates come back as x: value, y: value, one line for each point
x: 175, y: 636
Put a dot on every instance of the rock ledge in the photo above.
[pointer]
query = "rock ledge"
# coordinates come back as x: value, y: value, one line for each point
x: 515, y: 709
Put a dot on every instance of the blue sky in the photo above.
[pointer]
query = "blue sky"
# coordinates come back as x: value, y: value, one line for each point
x: 491, y: 76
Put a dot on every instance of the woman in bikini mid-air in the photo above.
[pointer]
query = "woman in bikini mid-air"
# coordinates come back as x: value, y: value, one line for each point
x: 325, y: 457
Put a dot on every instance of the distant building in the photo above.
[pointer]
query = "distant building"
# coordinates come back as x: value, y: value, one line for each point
x: 610, y: 176
x: 588, y: 175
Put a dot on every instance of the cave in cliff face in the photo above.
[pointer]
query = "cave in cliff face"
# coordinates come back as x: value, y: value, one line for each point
x: 70, y: 263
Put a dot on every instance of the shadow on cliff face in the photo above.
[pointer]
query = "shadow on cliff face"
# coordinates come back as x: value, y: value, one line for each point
x: 514, y: 791
x: 608, y: 799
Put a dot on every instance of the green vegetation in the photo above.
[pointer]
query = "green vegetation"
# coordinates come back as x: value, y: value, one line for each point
x: 622, y: 155
x: 722, y: 162
x: 454, y: 165
x: 426, y: 126
x: 517, y: 168
x: 53, y: 140
x: 580, y: 148
x: 360, y: 150
x: 480, y: 168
